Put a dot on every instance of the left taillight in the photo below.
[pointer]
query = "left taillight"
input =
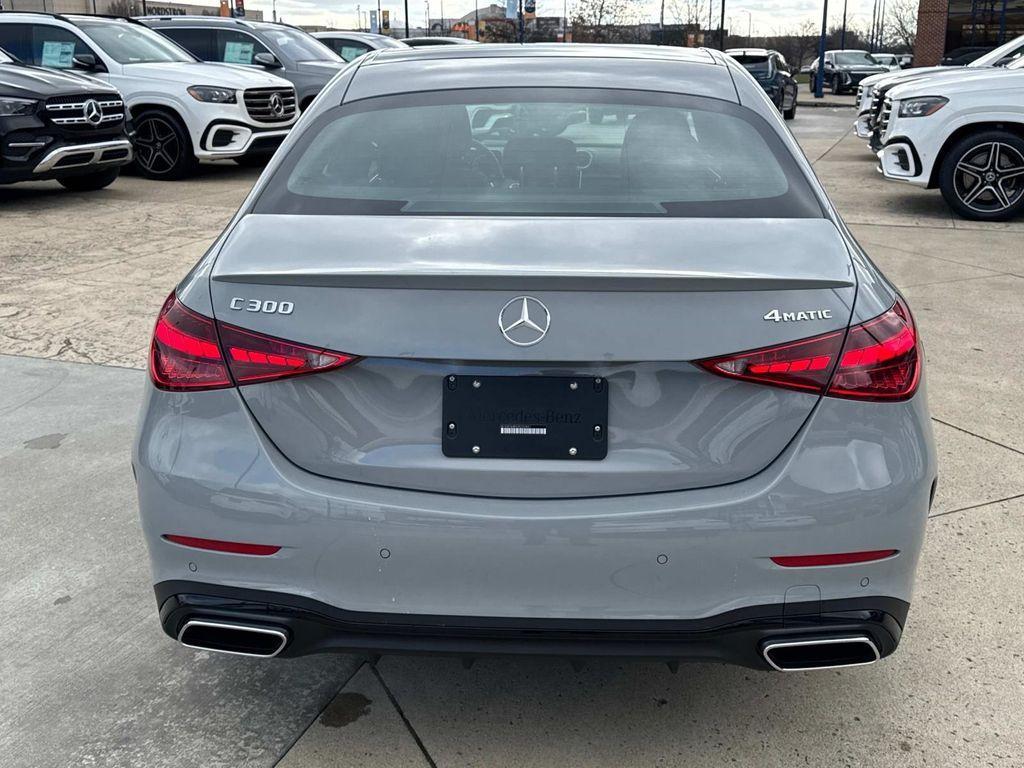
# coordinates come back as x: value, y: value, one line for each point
x: 878, y: 360
x: 186, y: 353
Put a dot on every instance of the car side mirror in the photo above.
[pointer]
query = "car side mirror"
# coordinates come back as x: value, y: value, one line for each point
x: 86, y: 61
x: 267, y: 60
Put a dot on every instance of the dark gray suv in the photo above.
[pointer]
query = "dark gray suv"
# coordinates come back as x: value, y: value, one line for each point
x: 287, y: 51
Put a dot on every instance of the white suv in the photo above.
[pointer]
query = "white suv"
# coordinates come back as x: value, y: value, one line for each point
x: 964, y: 136
x: 183, y: 110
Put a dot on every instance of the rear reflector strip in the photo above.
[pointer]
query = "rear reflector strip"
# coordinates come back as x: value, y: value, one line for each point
x: 234, y: 547
x: 842, y: 558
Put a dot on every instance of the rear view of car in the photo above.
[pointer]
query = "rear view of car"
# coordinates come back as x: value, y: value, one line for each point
x: 470, y: 373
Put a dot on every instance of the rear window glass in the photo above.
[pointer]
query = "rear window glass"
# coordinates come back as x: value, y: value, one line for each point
x: 541, y: 152
x: 754, y: 63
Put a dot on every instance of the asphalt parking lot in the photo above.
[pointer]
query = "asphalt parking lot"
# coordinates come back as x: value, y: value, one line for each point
x: 88, y: 678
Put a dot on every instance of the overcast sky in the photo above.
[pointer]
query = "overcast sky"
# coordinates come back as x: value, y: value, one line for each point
x: 767, y: 16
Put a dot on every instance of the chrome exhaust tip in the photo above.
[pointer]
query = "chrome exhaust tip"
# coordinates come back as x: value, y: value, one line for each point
x: 820, y: 653
x: 236, y: 639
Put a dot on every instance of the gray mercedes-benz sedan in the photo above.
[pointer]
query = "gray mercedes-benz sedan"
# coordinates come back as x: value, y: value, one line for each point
x: 472, y: 371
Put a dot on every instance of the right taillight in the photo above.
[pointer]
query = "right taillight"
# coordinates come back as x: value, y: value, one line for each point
x: 879, y: 360
x: 186, y: 353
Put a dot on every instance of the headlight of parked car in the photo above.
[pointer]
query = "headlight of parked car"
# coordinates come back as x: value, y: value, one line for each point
x: 10, y: 107
x: 922, y: 106
x: 212, y: 94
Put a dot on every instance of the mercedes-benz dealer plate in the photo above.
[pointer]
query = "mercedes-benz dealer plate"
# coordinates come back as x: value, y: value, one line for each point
x: 525, y: 417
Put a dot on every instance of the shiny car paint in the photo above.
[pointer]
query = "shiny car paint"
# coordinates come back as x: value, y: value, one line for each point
x: 706, y: 479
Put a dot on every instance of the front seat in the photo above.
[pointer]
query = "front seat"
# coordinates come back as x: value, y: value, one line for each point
x: 659, y: 151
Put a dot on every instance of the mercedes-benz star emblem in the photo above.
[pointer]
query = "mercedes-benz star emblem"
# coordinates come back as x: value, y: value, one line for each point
x: 92, y: 113
x: 524, y: 321
x: 276, y: 104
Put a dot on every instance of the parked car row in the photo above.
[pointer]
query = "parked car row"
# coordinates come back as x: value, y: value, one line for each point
x: 82, y: 96
x: 958, y: 129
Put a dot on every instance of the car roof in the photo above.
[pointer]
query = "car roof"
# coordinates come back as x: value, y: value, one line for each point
x: 748, y: 52
x: 694, y: 71
x: 353, y: 35
x: 435, y: 38
x: 215, y: 20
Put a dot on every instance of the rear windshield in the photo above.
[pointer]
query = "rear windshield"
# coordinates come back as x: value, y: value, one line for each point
x: 540, y: 152
x: 754, y: 63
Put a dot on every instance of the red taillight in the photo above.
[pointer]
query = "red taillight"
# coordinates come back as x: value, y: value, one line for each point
x: 804, y: 365
x: 254, y: 357
x: 842, y: 558
x: 878, y: 361
x: 186, y: 353
x: 234, y: 547
x: 880, y: 358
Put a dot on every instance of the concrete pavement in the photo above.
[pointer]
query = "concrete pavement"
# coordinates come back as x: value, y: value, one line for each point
x: 87, y: 678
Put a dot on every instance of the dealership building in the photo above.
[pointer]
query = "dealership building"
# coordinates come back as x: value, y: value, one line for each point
x: 944, y: 26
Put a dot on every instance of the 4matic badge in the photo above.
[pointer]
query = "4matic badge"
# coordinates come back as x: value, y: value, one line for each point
x: 789, y: 317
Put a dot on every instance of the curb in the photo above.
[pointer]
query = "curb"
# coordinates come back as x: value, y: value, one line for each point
x: 814, y: 103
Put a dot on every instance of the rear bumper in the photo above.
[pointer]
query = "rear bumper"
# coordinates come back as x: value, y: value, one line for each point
x: 736, y: 637
x: 858, y: 477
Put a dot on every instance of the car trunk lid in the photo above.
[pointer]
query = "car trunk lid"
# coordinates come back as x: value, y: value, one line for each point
x: 419, y: 298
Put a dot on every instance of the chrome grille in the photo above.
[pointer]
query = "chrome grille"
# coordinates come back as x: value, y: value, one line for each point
x: 876, y: 107
x: 883, y: 119
x: 70, y: 111
x: 259, y: 104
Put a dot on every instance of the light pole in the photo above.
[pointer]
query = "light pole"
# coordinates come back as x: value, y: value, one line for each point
x: 406, y: 18
x: 819, y: 76
x: 881, y: 26
x: 842, y: 38
x: 721, y: 27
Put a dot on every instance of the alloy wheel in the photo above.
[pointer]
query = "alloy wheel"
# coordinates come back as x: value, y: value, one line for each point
x: 157, y: 145
x: 989, y: 177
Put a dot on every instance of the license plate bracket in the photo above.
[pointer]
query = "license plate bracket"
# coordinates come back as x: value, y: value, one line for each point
x: 525, y: 417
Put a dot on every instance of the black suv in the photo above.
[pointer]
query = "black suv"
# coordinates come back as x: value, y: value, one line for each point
x: 59, y: 125
x: 845, y: 69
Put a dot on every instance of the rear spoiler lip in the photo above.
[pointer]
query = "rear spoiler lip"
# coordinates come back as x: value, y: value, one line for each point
x: 638, y: 280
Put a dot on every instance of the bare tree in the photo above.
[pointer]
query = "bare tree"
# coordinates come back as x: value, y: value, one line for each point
x: 686, y: 11
x: 798, y: 45
x: 901, y: 24
x: 597, y: 13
